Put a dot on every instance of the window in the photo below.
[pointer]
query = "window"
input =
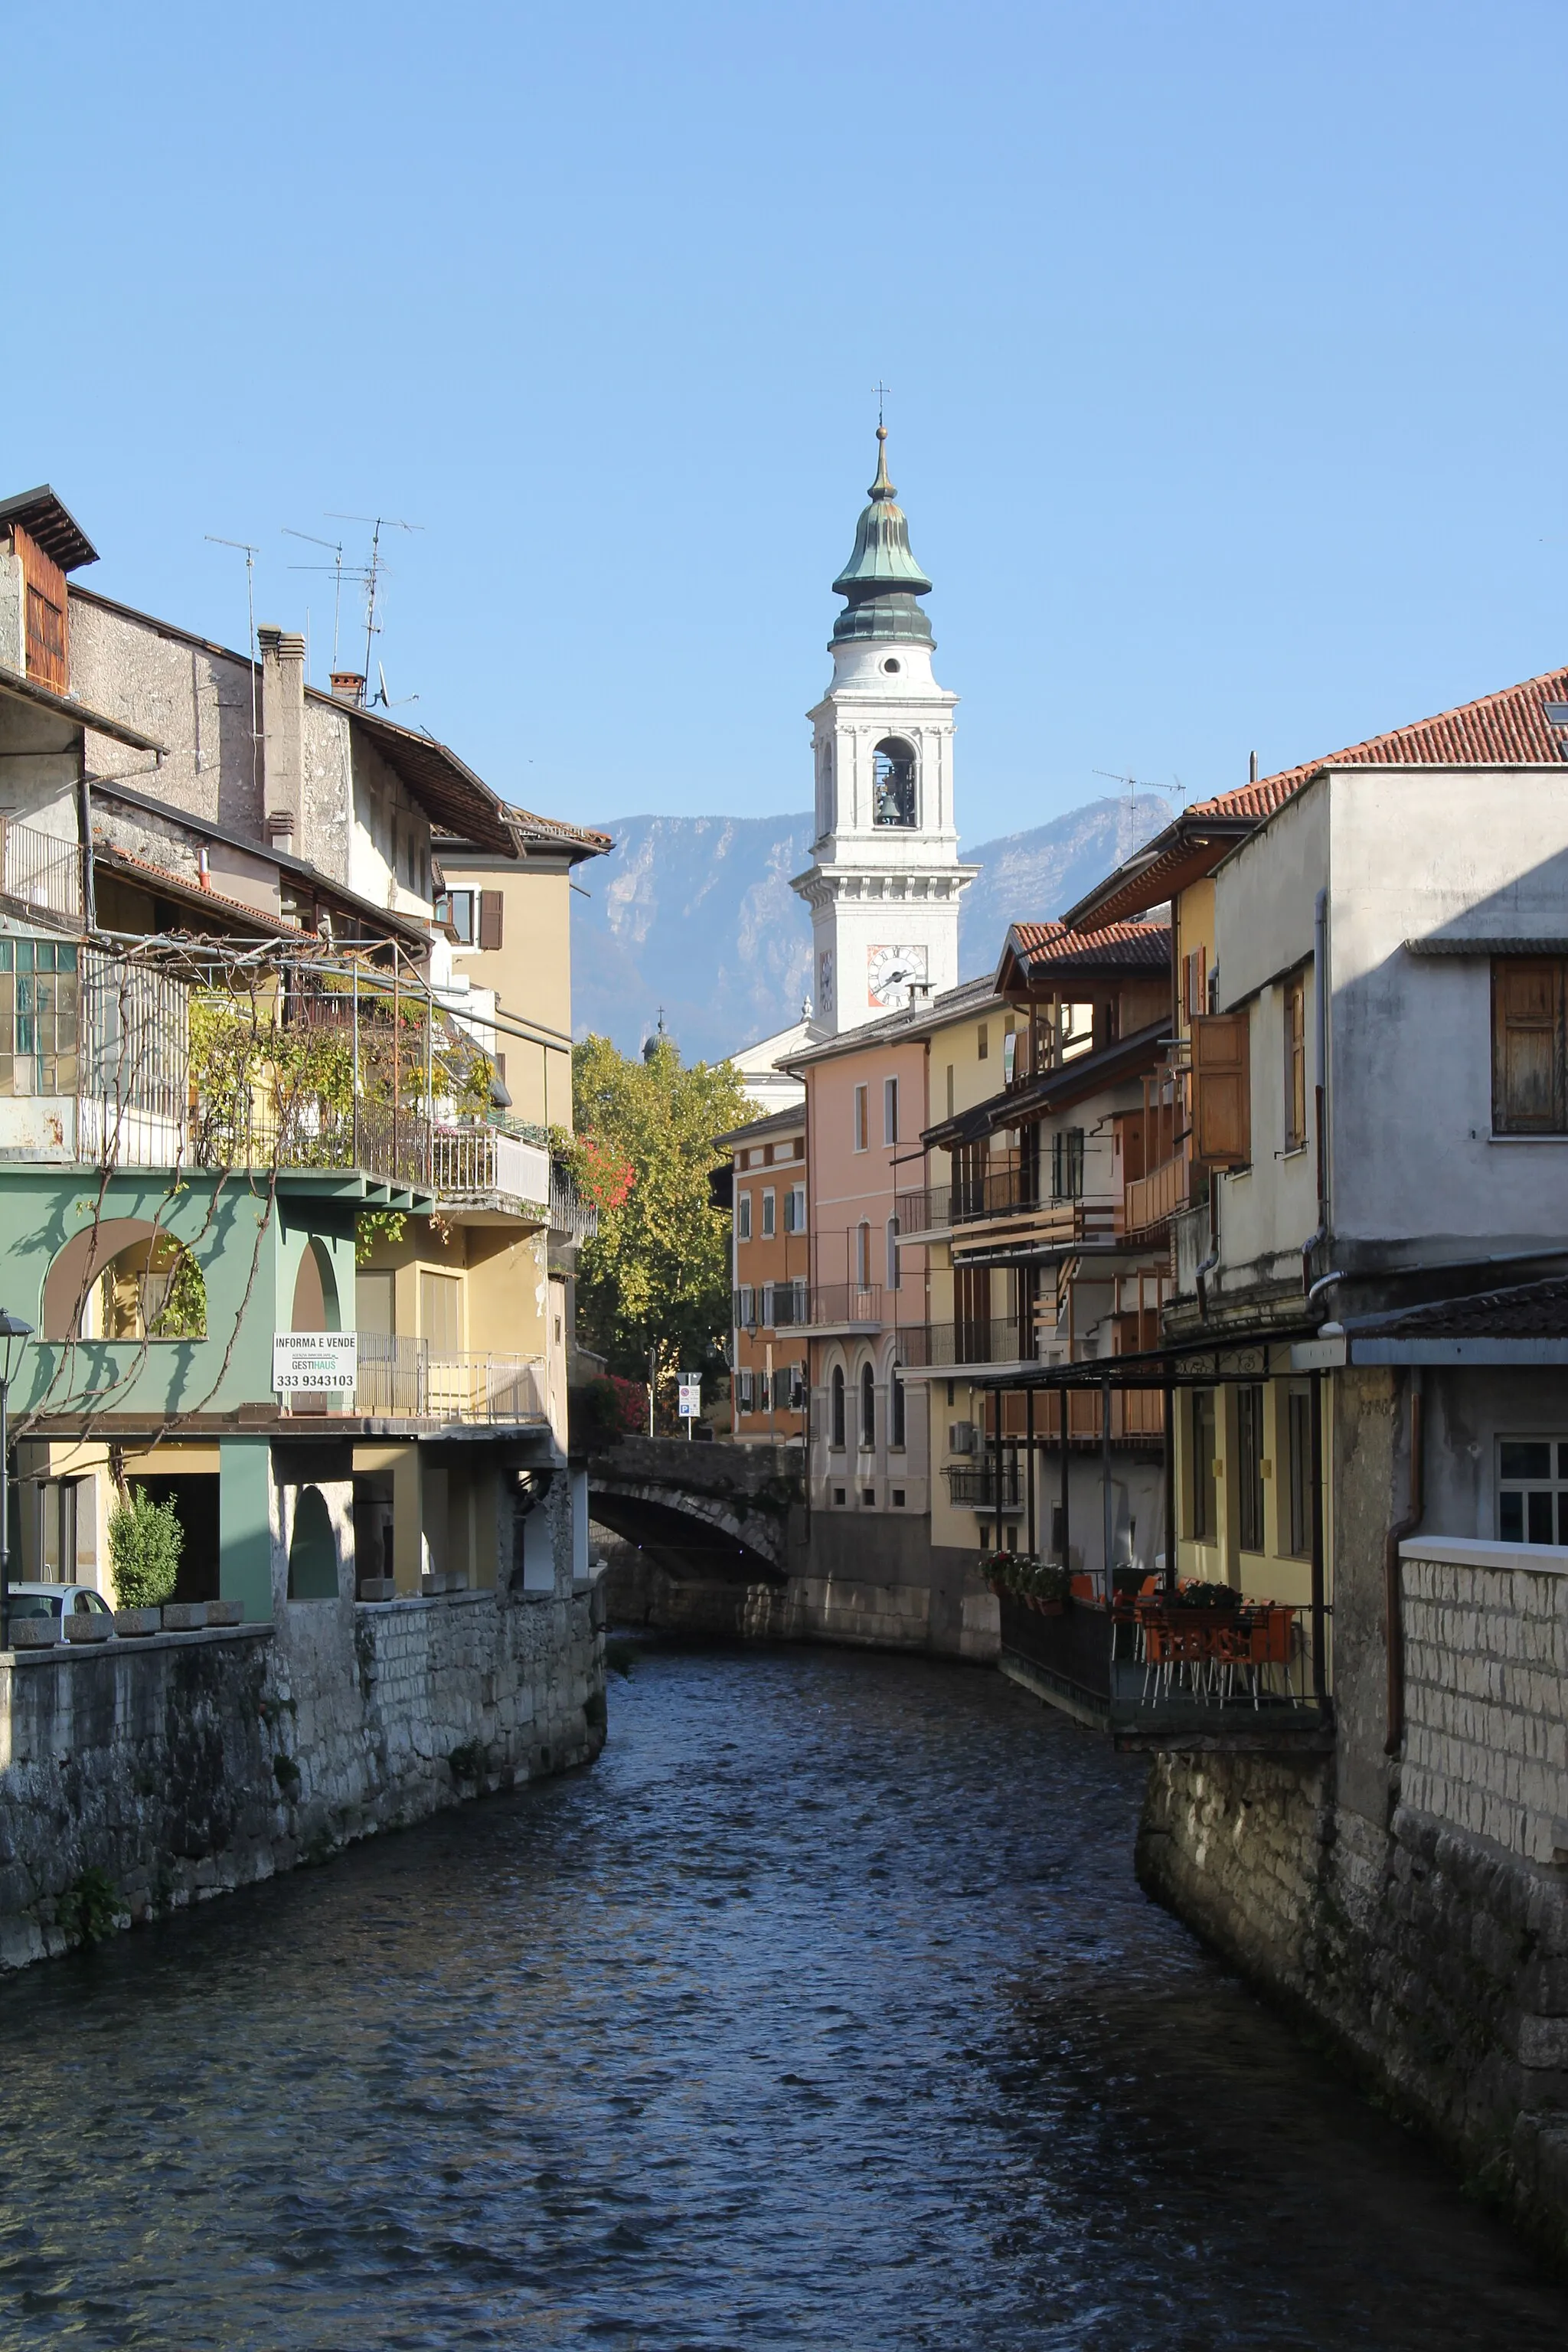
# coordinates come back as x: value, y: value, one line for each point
x: 151, y: 1290
x: 896, y: 1497
x: 836, y: 1426
x: 896, y: 1415
x: 441, y: 1313
x: 893, y: 783
x: 491, y: 908
x: 769, y: 1222
x: 797, y: 1388
x: 1203, y: 1511
x: 889, y: 1110
x: 456, y: 908
x: 744, y: 1390
x: 1066, y: 1164
x: 863, y: 1255
x: 1533, y: 1490
x: 869, y: 1497
x: 1249, y: 1445
x: 1296, y: 1062
x: 1299, y: 1419
x: 950, y: 1090
x: 795, y: 1209
x: 861, y: 1134
x: 746, y: 1307
x: 1009, y: 1054
x: 867, y: 1408
x: 982, y: 1042
x: 839, y: 1495
x: 1222, y: 1090
x: 1529, y: 1093
x: 743, y: 1217
x: 892, y: 1254
x: 39, y: 1017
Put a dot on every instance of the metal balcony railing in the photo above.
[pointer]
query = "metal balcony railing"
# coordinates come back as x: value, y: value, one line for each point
x: 572, y: 1218
x: 40, y: 869
x: 400, y: 1379
x: 475, y: 1164
x: 936, y: 1344
x: 975, y: 1484
x: 829, y: 1304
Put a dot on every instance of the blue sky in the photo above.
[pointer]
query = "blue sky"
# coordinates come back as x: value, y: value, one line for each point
x: 1226, y: 348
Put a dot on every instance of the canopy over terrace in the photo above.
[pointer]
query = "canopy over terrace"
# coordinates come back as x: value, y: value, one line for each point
x: 1235, y: 1360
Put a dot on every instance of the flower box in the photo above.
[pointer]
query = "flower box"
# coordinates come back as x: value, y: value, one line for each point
x: 226, y: 1612
x: 88, y: 1626
x: 34, y: 1633
x: 376, y: 1588
x: 135, y: 1625
x: 184, y: 1616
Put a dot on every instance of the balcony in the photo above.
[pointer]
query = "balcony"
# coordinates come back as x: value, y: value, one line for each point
x: 572, y: 1218
x: 941, y: 1347
x: 40, y: 871
x: 401, y: 1379
x: 1149, y: 1203
x: 842, y: 1307
x: 973, y: 1484
x: 484, y: 1168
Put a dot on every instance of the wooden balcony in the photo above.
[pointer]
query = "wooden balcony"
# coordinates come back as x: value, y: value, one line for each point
x: 1149, y: 1203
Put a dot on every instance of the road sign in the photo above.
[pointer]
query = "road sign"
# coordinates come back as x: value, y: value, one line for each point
x: 314, y: 1360
x: 691, y: 1400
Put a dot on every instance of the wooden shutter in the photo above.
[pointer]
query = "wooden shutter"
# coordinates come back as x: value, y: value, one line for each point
x: 1528, y: 1060
x: 490, y: 904
x: 1221, y: 1091
x: 47, y: 628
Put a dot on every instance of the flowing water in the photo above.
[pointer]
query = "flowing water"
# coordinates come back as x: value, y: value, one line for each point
x: 823, y: 2011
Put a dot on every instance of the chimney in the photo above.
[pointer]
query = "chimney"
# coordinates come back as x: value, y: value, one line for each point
x: 348, y: 686
x: 283, y: 734
x: 1252, y: 767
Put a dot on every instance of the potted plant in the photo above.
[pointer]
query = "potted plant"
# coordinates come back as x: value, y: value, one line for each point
x: 145, y: 1540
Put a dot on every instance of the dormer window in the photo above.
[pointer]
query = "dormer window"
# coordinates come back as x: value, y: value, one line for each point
x: 893, y: 783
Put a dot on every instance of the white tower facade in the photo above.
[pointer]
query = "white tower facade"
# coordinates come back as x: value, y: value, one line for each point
x: 885, y: 882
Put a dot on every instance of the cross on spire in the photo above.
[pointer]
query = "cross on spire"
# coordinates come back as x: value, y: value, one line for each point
x: 881, y: 390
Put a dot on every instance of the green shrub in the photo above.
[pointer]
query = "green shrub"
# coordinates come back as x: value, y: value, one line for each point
x: 145, y: 1539
x: 90, y: 1907
x: 286, y: 1772
x: 467, y: 1760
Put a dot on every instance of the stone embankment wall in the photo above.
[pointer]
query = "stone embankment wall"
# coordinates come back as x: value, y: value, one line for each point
x: 190, y: 1764
x: 1432, y: 1944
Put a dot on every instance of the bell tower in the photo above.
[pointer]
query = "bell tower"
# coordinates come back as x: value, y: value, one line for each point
x: 885, y: 882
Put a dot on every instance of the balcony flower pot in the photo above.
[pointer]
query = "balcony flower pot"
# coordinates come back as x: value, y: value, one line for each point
x: 84, y: 1625
x: 34, y: 1633
x: 376, y: 1588
x: 135, y: 1625
x: 1047, y: 1608
x: 226, y: 1612
x: 184, y: 1616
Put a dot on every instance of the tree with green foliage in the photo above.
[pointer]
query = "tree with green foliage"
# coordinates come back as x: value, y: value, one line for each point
x: 656, y: 1280
x: 145, y: 1539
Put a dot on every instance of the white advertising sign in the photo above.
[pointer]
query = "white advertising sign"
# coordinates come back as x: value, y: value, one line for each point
x: 313, y: 1359
x: 691, y: 1400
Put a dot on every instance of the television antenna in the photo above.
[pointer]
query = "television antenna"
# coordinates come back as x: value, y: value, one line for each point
x: 335, y: 548
x: 251, y: 554
x: 372, y: 575
x: 1136, y: 784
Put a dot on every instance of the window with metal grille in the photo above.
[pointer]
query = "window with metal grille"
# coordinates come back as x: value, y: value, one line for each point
x: 835, y: 1393
x: 1249, y: 1466
x: 1533, y: 1490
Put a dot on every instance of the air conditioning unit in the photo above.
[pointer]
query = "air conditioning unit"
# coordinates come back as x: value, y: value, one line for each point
x: 961, y: 1437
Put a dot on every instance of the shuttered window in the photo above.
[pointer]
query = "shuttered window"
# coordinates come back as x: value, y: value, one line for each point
x: 1249, y: 1441
x: 1221, y: 1091
x: 1294, y: 1062
x: 1530, y: 1096
x: 490, y: 906
x: 47, y: 655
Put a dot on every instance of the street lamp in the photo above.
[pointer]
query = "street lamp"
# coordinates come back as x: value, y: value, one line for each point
x: 15, y: 1333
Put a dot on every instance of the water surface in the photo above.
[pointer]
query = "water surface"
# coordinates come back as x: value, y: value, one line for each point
x: 824, y: 2011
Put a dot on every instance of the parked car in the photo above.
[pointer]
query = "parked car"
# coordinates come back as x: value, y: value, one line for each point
x: 56, y: 1601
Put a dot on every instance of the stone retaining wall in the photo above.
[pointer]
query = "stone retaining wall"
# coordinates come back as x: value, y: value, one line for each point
x: 188, y: 1764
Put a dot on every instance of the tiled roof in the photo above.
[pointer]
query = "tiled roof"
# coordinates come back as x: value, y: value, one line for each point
x: 551, y: 828
x: 1134, y: 944
x: 1508, y: 729
x: 1527, y: 1311
x: 109, y: 853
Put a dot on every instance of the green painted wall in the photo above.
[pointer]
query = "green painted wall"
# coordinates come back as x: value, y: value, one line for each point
x: 244, y: 1525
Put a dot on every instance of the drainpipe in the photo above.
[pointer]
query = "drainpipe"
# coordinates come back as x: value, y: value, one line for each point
x: 1202, y: 1272
x: 1393, y: 1622
x: 1319, y: 1091
x: 84, y: 830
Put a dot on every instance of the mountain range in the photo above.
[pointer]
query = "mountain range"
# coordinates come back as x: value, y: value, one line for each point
x: 693, y: 916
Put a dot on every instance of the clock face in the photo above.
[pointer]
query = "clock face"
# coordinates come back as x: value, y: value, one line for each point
x: 893, y: 974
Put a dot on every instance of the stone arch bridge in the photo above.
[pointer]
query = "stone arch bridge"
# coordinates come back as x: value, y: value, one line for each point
x: 705, y: 1532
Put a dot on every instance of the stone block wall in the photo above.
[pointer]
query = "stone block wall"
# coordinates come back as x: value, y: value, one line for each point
x: 184, y: 1766
x: 1486, y: 1673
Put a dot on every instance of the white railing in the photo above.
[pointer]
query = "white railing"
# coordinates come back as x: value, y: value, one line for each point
x: 477, y: 1163
x: 41, y: 870
x: 401, y: 1380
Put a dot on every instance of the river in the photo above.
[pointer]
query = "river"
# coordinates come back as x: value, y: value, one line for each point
x: 824, y: 2011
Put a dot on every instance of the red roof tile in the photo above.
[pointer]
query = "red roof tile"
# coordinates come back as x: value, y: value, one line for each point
x: 1123, y: 943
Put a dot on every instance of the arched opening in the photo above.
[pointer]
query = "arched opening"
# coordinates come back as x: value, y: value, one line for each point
x: 152, y: 1289
x: 313, y: 1549
x: 893, y: 770
x: 316, y: 1292
x: 867, y: 1408
x: 836, y: 1391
